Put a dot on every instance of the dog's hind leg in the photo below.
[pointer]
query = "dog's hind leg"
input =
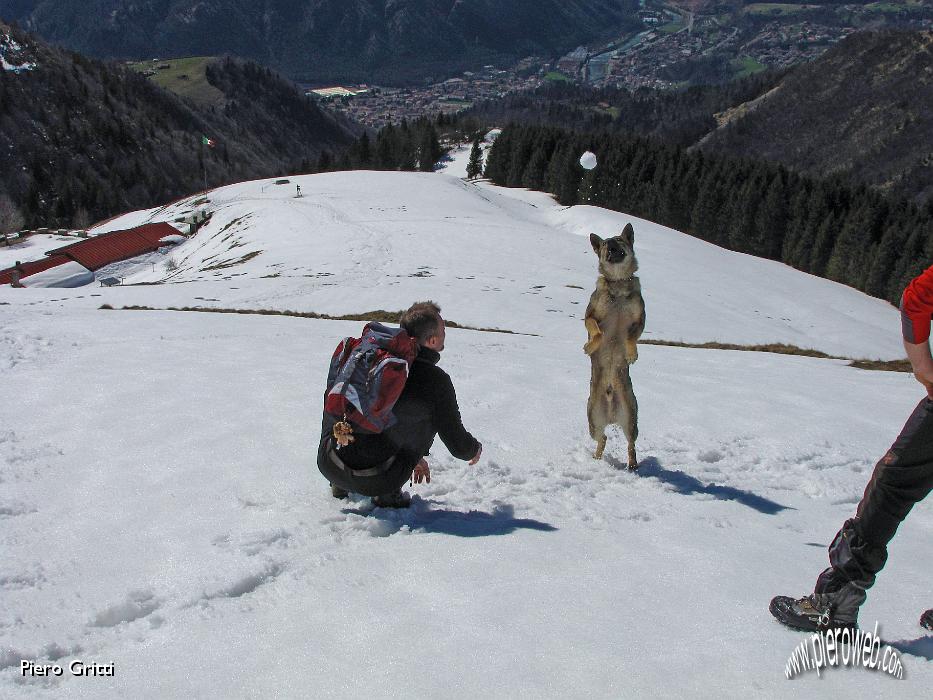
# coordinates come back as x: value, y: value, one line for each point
x: 629, y: 418
x: 600, y: 446
x: 597, y: 418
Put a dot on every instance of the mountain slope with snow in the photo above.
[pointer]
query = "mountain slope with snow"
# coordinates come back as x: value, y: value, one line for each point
x: 161, y: 510
x: 359, y: 241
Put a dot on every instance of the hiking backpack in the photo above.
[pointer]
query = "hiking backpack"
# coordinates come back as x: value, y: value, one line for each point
x: 366, y: 377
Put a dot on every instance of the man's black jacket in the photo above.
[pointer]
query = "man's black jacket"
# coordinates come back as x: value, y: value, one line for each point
x: 427, y: 408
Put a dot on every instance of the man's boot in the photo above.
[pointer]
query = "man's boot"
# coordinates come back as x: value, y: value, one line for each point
x: 338, y: 492
x: 817, y: 611
x: 840, y: 590
x: 926, y: 620
x: 397, y: 499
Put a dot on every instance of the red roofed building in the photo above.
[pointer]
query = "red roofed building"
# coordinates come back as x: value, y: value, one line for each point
x: 94, y: 253
x: 31, y: 268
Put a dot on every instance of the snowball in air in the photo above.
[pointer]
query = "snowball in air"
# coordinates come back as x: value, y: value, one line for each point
x: 588, y: 160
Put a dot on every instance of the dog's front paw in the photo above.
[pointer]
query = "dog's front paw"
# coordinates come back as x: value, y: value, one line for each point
x: 590, y: 346
x: 631, y: 356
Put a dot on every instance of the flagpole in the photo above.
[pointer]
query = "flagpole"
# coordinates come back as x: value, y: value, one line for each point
x: 210, y: 144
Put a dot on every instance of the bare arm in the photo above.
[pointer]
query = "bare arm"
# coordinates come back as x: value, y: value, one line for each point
x: 922, y: 363
x: 916, y: 310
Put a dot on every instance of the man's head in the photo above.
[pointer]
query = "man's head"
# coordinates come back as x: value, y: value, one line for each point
x: 423, y: 322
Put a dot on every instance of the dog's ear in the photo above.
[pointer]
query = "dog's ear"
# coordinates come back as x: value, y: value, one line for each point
x: 595, y: 241
x: 628, y: 233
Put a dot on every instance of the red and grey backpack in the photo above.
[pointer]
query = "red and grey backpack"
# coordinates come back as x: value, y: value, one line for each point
x: 366, y: 377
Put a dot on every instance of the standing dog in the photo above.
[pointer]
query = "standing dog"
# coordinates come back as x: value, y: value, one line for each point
x: 615, y: 319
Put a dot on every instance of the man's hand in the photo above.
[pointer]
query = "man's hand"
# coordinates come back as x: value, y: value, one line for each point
x: 928, y: 386
x: 422, y: 472
x: 476, y: 456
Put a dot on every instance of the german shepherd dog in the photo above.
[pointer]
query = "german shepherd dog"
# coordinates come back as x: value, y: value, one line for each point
x: 615, y: 319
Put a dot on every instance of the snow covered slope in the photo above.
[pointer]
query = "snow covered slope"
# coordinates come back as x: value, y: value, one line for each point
x: 160, y: 509
x: 32, y: 248
x: 360, y: 241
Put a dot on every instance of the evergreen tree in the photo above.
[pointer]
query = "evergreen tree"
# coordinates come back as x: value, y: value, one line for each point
x: 498, y: 158
x: 706, y: 217
x: 568, y: 177
x: 771, y: 220
x: 535, y: 174
x: 823, y: 240
x: 429, y: 149
x: 406, y: 152
x: 325, y: 161
x: 884, y: 258
x: 363, y: 154
x: 386, y: 148
x: 475, y: 166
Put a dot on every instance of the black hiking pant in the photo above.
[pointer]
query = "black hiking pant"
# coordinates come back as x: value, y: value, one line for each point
x: 376, y: 481
x: 903, y: 477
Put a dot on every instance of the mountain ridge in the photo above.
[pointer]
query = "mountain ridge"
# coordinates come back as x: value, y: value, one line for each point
x: 820, y: 119
x: 875, y: 131
x: 331, y: 40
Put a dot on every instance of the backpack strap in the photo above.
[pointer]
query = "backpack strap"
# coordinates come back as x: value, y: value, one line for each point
x: 378, y: 470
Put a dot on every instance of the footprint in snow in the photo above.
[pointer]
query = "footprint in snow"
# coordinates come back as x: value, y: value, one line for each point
x: 136, y: 605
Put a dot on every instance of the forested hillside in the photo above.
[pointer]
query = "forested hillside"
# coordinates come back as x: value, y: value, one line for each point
x: 850, y: 234
x: 862, y: 112
x: 84, y: 139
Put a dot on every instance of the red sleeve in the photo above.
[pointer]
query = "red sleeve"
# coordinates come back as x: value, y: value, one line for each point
x: 917, y: 308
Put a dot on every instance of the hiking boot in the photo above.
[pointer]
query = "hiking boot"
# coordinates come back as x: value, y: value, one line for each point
x: 398, y: 499
x: 814, y: 612
x: 926, y: 620
x: 338, y: 492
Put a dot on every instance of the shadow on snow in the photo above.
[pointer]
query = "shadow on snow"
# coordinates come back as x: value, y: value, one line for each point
x: 921, y: 647
x: 475, y: 523
x: 689, y: 485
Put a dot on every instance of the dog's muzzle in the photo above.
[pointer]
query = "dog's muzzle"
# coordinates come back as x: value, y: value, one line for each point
x: 614, y: 254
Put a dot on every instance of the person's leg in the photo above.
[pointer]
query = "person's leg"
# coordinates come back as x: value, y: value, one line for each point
x: 340, y: 484
x: 903, y: 477
x: 386, y: 488
x: 390, y: 491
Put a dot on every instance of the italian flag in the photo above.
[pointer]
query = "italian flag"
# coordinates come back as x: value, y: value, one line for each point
x: 208, y: 142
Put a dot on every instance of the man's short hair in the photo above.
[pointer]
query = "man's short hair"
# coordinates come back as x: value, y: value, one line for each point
x: 422, y: 320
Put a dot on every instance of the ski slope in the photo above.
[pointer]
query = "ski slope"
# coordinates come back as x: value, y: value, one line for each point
x: 160, y: 508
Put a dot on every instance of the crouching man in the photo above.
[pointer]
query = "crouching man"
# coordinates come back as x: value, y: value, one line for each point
x: 378, y: 465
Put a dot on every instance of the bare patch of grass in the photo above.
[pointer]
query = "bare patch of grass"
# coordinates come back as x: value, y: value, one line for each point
x: 784, y: 349
x: 379, y: 315
x: 778, y: 348
x: 383, y: 316
x: 232, y: 263
x: 883, y: 365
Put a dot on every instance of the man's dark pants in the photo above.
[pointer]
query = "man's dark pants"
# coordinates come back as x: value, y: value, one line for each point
x: 903, y: 477
x: 386, y: 481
